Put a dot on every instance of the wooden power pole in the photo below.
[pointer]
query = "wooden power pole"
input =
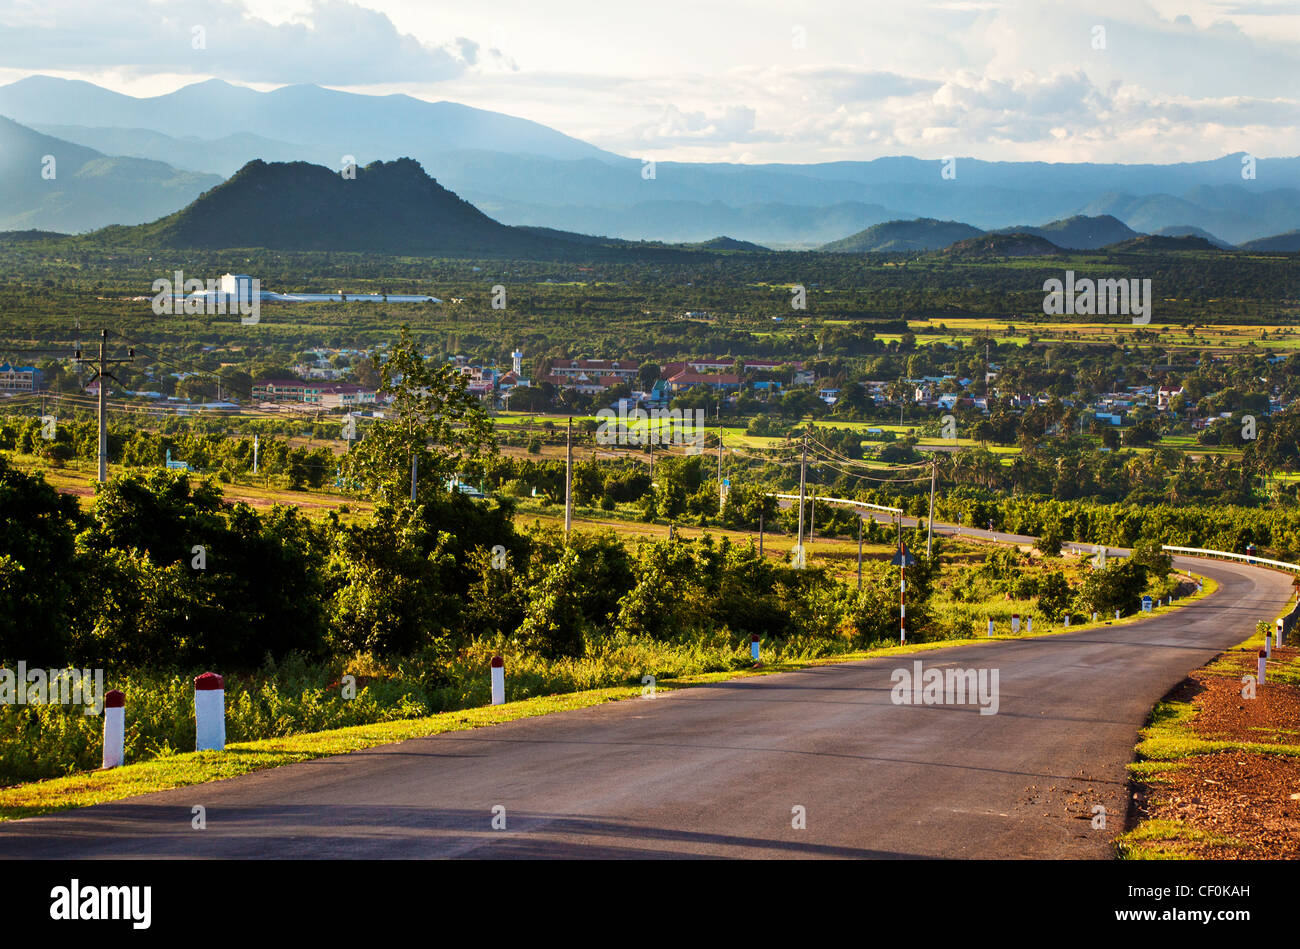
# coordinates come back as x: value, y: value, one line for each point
x: 101, y: 364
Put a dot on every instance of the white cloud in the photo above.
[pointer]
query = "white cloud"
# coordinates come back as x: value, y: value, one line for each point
x: 334, y: 41
x: 692, y: 80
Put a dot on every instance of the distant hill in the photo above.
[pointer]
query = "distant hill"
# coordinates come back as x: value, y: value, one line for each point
x: 28, y: 237
x: 572, y: 237
x: 1153, y: 243
x: 1004, y: 245
x: 726, y: 243
x: 219, y: 156
x: 1234, y: 213
x: 1080, y: 232
x: 390, y: 207
x: 83, y: 188
x: 893, y: 236
x: 1290, y: 241
x: 1186, y: 230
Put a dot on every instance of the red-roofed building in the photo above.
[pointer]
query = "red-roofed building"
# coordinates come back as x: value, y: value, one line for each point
x: 595, y: 368
x: 687, y: 379
x: 721, y: 364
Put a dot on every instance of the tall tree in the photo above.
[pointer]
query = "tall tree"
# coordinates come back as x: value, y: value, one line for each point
x: 432, y: 418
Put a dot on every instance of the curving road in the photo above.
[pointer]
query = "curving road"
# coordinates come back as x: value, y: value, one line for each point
x: 716, y: 771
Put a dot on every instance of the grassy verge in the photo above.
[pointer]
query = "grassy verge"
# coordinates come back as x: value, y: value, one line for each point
x: 1168, y: 745
x: 182, y: 770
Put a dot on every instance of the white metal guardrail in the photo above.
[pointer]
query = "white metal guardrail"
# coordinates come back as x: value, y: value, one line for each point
x: 1223, y: 553
x: 1291, y: 618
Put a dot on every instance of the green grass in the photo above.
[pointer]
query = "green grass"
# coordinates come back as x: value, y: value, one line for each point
x: 1167, y: 738
x: 181, y: 770
x: 1160, y: 840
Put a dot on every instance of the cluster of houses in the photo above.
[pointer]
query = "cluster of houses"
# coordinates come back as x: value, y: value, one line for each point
x: 1111, y: 408
x: 319, y: 384
x: 321, y: 395
x: 597, y: 376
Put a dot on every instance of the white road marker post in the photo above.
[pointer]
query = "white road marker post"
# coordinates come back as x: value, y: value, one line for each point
x: 209, y: 712
x: 990, y: 625
x: 114, y: 729
x: 1067, y: 619
x: 1268, y: 646
x: 1030, y: 622
x: 1117, y: 614
x: 1281, y: 633
x: 1262, y: 667
x: 498, y: 681
x: 1015, y: 622
x: 754, y: 646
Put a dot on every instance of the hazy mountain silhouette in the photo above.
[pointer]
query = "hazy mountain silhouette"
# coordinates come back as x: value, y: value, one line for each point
x: 87, y: 189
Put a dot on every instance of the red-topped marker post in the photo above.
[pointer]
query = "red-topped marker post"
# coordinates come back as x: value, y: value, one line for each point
x: 209, y: 712
x: 498, y: 681
x: 114, y: 729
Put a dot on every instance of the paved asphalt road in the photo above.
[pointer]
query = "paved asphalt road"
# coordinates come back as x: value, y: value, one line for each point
x: 715, y: 771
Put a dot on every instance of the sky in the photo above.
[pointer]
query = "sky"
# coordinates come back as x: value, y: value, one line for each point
x: 758, y: 81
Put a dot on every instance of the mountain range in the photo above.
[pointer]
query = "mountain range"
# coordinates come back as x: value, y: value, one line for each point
x: 520, y: 172
x: 397, y: 208
x: 54, y: 185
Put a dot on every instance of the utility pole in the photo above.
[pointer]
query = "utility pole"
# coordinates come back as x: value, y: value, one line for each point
x: 722, y: 495
x: 929, y: 526
x: 760, y: 529
x: 568, y: 479
x: 103, y: 375
x: 803, y: 474
x: 255, y: 454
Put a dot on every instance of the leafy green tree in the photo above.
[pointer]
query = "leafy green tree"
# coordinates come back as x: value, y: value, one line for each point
x: 1117, y: 586
x: 432, y: 419
x: 40, y: 577
x: 1054, y: 595
x: 176, y: 576
x: 392, y: 589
